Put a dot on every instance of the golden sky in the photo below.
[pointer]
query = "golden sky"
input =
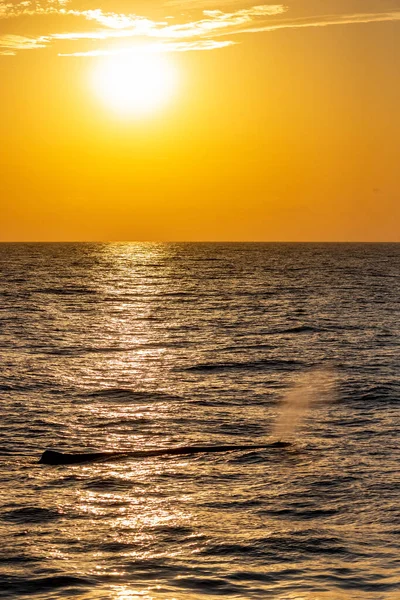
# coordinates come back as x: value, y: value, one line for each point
x: 200, y: 120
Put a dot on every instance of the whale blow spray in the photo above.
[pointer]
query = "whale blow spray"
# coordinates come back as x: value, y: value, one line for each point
x: 314, y: 387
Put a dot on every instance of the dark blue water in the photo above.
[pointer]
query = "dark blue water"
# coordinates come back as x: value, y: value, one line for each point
x: 140, y: 346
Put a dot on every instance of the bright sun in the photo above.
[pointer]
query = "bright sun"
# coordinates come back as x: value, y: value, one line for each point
x: 135, y: 84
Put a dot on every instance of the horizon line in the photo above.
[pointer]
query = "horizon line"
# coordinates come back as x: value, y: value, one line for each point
x: 199, y: 241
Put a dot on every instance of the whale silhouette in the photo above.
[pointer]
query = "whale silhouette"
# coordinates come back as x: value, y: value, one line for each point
x: 51, y: 457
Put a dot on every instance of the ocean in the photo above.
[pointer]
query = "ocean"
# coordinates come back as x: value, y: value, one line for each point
x: 137, y: 346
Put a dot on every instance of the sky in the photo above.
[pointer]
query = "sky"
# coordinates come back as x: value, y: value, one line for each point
x: 199, y: 120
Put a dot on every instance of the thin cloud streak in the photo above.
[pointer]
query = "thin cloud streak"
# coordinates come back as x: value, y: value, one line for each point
x: 11, y: 43
x: 217, y: 19
x: 162, y: 47
x: 327, y: 21
x: 199, y: 4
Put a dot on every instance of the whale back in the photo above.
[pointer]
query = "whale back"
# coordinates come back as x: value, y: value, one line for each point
x: 52, y: 457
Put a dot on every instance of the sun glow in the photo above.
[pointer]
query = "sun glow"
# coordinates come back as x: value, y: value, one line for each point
x: 135, y: 84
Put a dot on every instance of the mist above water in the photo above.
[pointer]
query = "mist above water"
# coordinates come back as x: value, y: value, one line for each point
x: 310, y: 389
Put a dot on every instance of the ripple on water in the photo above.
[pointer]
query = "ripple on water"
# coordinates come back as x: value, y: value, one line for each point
x: 126, y: 394
x: 14, y: 587
x: 273, y: 365
x: 31, y: 514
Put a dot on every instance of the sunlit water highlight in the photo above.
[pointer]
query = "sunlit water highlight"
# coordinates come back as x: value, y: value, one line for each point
x: 138, y: 346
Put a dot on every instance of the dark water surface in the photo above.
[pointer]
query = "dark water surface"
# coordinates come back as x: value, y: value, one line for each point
x: 139, y: 346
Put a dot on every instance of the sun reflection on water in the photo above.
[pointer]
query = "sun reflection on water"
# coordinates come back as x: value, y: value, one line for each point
x: 162, y: 348
x: 126, y: 593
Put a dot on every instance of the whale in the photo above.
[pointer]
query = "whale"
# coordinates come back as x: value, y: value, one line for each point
x: 53, y: 457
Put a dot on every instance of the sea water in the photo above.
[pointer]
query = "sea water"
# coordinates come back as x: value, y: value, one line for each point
x: 141, y: 346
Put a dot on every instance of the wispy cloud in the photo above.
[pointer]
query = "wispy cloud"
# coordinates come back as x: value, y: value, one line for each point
x: 10, y: 44
x: 118, y: 21
x: 10, y: 10
x: 126, y: 25
x: 197, y: 34
x: 326, y: 21
x: 217, y: 19
x: 200, y: 4
x: 157, y: 47
x: 166, y: 36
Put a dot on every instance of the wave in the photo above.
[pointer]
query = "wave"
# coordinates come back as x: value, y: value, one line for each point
x: 203, y: 584
x: 125, y: 297
x: 8, y: 388
x: 31, y: 514
x: 77, y: 350
x: 378, y: 393
x: 272, y: 365
x: 346, y: 580
x: 20, y: 386
x: 250, y: 347
x: 4, y: 451
x: 302, y: 514
x: 208, y: 259
x: 274, y: 343
x: 21, y: 586
x: 128, y: 394
x: 315, y: 329
x: 178, y: 295
x: 302, y: 329
x: 122, y: 421
x: 82, y: 350
x: 108, y: 484
x: 284, y: 547
x: 346, y: 327
x: 233, y: 504
x: 65, y: 291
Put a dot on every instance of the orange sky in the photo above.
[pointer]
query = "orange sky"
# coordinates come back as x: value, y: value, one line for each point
x: 283, y: 122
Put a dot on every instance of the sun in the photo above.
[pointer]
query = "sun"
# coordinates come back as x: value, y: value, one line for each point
x: 135, y: 84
